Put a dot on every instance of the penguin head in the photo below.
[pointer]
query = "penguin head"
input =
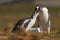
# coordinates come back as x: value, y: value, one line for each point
x: 37, y: 8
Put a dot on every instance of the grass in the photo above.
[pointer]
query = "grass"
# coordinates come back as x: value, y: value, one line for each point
x: 22, y: 8
x: 54, y: 9
x: 16, y: 9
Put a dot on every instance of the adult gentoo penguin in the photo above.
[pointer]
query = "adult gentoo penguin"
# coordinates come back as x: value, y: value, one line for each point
x: 43, y: 19
x: 27, y: 23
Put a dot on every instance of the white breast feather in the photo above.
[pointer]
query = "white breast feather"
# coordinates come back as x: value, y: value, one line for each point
x: 44, y: 14
x: 25, y: 22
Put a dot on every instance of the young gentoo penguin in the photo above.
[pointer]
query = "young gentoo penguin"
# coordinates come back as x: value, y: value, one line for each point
x: 27, y: 23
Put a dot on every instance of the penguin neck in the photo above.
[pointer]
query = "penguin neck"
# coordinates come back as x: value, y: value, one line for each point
x: 34, y: 16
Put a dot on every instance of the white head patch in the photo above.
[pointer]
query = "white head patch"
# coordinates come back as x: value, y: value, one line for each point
x: 37, y: 7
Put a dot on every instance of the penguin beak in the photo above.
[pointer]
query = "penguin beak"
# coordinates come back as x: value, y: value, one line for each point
x: 37, y: 10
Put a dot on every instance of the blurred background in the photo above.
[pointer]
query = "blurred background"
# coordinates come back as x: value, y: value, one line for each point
x: 13, y: 10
